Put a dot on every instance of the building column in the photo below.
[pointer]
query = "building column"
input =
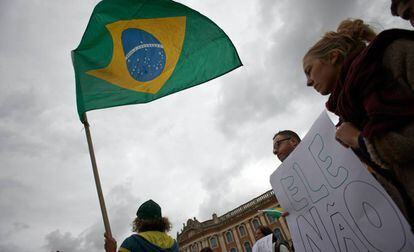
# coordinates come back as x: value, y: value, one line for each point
x: 267, y: 221
x: 284, y: 228
x: 262, y: 219
x: 250, y: 232
x: 236, y: 239
x: 204, y: 242
x: 222, y: 243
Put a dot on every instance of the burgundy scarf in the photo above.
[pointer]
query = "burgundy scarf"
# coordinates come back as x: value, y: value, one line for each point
x: 365, y: 92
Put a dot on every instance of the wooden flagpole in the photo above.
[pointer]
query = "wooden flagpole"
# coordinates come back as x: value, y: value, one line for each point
x: 96, y: 176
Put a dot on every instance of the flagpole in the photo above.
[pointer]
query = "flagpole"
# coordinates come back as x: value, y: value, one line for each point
x: 96, y: 176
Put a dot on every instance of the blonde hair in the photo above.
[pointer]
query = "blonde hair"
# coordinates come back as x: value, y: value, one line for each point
x: 351, y: 35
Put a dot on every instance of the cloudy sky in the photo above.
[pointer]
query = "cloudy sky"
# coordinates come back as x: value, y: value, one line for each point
x: 201, y: 151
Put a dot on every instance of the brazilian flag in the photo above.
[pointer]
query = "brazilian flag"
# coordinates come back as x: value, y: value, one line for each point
x: 136, y: 51
x: 275, y: 213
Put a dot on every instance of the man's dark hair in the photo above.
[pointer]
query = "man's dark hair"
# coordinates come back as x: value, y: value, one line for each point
x: 287, y: 133
x: 162, y: 225
x: 265, y: 230
x: 206, y: 249
x: 394, y: 5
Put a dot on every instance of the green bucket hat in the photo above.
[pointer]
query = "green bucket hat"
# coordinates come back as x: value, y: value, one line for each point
x: 149, y: 210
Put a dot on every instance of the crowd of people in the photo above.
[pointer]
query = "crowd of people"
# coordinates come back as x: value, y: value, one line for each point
x: 369, y: 78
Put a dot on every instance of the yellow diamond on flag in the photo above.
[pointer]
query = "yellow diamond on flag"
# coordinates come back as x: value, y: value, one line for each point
x: 145, y: 53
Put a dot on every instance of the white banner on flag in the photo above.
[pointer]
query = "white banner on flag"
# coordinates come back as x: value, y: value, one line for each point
x: 335, y: 204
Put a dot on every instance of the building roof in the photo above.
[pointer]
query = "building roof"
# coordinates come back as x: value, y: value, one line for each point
x: 195, y: 228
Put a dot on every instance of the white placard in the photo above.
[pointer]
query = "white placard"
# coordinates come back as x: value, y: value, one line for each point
x: 335, y: 204
x: 264, y: 244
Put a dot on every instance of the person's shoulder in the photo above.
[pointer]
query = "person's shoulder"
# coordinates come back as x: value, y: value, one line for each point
x: 401, y: 41
x: 121, y: 249
x: 399, y: 60
x: 131, y: 237
x: 128, y: 244
x: 393, y: 42
x: 399, y: 46
x: 283, y: 247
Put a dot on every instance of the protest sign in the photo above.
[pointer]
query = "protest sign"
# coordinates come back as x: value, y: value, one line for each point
x: 335, y: 204
x: 264, y: 244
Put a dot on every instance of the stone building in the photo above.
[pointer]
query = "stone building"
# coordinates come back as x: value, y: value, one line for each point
x: 233, y: 231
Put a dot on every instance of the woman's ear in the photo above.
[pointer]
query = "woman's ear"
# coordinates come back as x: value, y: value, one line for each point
x: 334, y: 57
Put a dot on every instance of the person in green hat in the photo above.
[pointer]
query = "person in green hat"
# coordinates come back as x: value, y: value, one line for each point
x: 150, y: 232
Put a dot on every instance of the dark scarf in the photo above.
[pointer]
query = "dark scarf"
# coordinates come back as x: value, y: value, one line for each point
x: 365, y: 92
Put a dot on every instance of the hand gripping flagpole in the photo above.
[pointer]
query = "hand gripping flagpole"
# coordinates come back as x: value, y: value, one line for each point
x: 96, y: 176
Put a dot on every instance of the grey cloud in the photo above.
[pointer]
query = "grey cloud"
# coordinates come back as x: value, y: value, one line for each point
x: 89, y: 240
x: 269, y: 89
x: 15, y: 228
x: 11, y: 190
x: 8, y: 246
x: 121, y: 206
x: 20, y: 226
x: 217, y: 181
x: 57, y: 241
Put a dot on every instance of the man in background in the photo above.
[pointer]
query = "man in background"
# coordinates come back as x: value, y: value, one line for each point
x: 284, y: 142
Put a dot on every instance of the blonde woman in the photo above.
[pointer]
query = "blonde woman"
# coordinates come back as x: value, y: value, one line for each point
x: 370, y: 83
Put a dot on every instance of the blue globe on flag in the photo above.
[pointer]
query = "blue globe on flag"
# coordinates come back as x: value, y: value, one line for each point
x: 144, y: 54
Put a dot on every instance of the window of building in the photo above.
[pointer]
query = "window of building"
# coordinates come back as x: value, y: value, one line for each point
x: 247, y: 247
x: 194, y: 248
x: 270, y: 218
x: 278, y: 234
x: 242, y: 230
x: 233, y: 250
x: 229, y: 236
x: 213, y: 242
x: 256, y: 223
